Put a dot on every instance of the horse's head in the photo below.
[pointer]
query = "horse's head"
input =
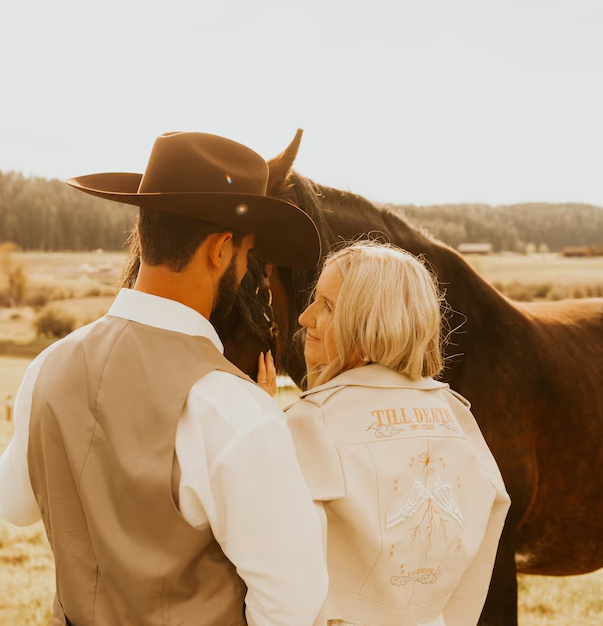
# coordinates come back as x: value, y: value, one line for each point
x: 270, y: 298
x: 259, y: 320
x: 262, y: 318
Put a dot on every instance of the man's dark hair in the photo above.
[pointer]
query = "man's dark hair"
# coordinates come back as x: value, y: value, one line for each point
x: 172, y: 240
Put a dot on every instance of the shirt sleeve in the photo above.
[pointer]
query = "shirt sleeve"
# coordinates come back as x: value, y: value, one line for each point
x: 17, y: 500
x: 252, y: 491
x: 316, y: 452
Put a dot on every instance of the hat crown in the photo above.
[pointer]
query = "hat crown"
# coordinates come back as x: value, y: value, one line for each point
x: 200, y: 162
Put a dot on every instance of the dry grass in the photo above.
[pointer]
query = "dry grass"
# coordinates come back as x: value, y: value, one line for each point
x: 563, y: 601
x: 539, y: 268
x: 74, y: 274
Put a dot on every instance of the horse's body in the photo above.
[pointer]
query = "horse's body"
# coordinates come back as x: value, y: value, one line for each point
x: 533, y: 373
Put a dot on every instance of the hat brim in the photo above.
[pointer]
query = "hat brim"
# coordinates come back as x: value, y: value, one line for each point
x: 285, y: 235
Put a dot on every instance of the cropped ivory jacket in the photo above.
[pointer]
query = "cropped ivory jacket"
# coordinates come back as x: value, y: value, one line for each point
x: 414, y: 501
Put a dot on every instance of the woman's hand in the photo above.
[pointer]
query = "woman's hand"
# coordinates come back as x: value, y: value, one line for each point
x: 267, y: 373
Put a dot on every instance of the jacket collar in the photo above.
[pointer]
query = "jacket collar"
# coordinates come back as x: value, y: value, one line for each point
x: 376, y: 375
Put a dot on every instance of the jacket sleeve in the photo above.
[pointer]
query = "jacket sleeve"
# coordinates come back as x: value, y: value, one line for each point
x: 466, y: 603
x: 316, y: 452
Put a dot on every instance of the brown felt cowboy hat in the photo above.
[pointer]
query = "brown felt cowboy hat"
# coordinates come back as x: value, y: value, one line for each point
x: 216, y: 180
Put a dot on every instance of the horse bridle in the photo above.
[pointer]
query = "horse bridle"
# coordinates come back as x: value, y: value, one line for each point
x: 267, y: 287
x: 276, y: 339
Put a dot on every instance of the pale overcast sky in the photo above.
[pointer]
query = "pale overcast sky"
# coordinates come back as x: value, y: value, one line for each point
x: 408, y: 101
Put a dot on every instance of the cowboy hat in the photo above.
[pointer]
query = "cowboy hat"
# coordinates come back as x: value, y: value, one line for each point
x: 216, y: 180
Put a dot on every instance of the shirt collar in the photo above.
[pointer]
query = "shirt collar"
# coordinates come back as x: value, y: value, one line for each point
x: 376, y: 375
x: 163, y: 313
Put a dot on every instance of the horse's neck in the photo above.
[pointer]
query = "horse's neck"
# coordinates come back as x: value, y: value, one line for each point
x: 469, y: 295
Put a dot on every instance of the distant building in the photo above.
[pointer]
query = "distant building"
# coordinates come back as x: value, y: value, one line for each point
x: 581, y: 251
x: 475, y: 248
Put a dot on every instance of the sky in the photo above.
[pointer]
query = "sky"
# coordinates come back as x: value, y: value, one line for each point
x: 403, y: 101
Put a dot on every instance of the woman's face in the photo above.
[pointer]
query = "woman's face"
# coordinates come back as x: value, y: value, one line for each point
x: 317, y: 318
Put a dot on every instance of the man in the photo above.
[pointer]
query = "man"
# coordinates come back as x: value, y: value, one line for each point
x: 166, y: 479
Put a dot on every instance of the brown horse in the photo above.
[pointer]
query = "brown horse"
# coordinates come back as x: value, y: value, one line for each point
x: 532, y: 372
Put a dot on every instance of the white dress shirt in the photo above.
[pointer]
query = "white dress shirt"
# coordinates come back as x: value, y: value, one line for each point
x: 239, y: 474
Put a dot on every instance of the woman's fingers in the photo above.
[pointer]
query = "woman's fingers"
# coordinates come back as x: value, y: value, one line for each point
x: 271, y: 373
x: 261, y: 370
x: 267, y: 373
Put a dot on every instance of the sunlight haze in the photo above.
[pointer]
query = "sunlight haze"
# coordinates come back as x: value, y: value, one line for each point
x: 406, y: 101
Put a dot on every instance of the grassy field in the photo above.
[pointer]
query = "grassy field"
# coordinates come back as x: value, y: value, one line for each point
x: 538, y: 268
x: 26, y: 565
x: 75, y: 273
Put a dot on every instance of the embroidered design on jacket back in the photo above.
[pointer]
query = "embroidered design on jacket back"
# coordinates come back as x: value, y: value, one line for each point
x: 423, y: 576
x: 440, y: 502
x: 385, y: 430
x: 434, y: 500
x: 390, y: 422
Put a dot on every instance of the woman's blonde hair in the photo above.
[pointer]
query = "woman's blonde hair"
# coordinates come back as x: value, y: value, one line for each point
x: 388, y: 311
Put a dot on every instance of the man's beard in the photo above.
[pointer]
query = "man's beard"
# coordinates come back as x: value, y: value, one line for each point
x: 227, y: 289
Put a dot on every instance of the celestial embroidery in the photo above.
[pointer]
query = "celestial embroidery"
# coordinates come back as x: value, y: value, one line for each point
x: 428, y: 462
x: 423, y: 576
x: 395, y: 484
x: 385, y: 430
x: 451, y: 426
x: 425, y: 459
x: 391, y: 549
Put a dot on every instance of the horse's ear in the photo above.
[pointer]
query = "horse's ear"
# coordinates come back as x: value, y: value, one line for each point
x: 281, y: 165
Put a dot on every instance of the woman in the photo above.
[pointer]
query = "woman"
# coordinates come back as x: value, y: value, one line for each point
x: 414, y: 500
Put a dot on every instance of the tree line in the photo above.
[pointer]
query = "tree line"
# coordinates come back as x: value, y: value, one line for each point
x: 511, y: 227
x: 42, y: 214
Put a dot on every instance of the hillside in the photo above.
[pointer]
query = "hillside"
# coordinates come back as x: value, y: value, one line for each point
x: 511, y: 227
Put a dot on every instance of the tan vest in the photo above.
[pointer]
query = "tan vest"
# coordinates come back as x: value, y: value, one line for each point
x: 102, y: 465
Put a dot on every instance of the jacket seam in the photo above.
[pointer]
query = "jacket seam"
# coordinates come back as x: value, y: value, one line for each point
x: 377, y: 441
x: 79, y: 482
x: 376, y: 476
x: 94, y: 599
x: 163, y: 616
x: 339, y: 457
x: 384, y: 606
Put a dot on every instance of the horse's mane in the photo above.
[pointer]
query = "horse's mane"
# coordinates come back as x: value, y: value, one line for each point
x: 304, y: 193
x: 326, y: 205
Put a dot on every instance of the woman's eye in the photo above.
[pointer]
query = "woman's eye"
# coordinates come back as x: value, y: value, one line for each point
x: 327, y: 307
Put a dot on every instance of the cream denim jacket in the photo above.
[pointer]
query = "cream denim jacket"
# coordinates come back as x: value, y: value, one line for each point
x: 414, y: 501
